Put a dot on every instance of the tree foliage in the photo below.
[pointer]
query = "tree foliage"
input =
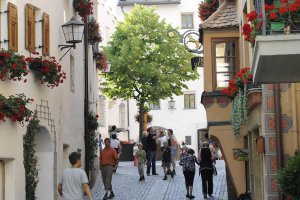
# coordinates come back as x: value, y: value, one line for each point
x: 147, y: 63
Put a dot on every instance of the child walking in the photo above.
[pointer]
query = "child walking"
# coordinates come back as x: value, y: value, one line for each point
x: 166, y: 159
x: 187, y: 162
x: 141, y: 157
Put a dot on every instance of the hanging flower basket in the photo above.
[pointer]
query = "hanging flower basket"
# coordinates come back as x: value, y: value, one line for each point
x: 92, y: 139
x: 15, y: 108
x: 47, y: 70
x: 83, y: 7
x: 101, y: 61
x: 12, y: 66
x: 94, y: 32
x: 237, y: 92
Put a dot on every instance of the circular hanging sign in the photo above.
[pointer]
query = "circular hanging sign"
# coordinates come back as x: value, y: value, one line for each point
x: 191, y: 41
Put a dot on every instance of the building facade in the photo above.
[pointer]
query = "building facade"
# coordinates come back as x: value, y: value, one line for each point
x: 269, y: 136
x: 60, y: 110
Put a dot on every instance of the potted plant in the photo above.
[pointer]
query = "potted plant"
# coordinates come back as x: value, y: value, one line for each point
x: 47, y: 70
x: 12, y: 66
x: 14, y: 108
x: 94, y: 32
x: 288, y: 178
x: 83, y: 7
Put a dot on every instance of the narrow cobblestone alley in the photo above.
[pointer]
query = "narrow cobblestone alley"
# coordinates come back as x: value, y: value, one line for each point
x: 127, y: 187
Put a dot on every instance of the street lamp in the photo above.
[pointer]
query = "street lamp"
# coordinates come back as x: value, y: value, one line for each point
x: 73, y: 32
x: 171, y: 104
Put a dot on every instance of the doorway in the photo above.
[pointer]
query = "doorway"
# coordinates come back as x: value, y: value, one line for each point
x: 45, y: 165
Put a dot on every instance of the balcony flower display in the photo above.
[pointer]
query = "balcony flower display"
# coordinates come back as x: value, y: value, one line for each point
x: 237, y: 92
x: 14, y: 108
x: 12, y: 66
x: 207, y: 8
x: 278, y: 17
x: 94, y: 32
x: 47, y: 70
x: 83, y: 7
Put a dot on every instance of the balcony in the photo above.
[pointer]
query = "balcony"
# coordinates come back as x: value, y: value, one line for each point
x: 276, y: 52
x: 146, y: 2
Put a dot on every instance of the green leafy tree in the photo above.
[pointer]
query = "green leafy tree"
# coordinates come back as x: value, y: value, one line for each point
x: 147, y: 62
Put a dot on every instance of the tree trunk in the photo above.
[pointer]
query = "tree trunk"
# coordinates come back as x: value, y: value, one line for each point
x: 141, y: 108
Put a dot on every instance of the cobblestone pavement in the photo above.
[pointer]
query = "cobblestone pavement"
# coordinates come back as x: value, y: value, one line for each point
x: 127, y: 187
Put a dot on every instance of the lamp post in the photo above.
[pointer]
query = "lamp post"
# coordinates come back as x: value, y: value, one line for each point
x: 171, y: 104
x: 73, y: 32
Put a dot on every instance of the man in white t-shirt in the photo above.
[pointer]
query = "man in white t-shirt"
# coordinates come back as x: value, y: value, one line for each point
x: 74, y: 181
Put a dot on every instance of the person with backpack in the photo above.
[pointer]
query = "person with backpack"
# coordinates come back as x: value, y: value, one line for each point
x: 206, y: 169
x: 187, y: 162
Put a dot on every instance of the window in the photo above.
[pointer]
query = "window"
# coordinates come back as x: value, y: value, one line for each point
x: 188, y: 140
x: 225, y: 59
x: 30, y: 28
x: 189, y: 101
x: 46, y: 35
x: 154, y: 106
x: 12, y: 27
x: 187, y: 21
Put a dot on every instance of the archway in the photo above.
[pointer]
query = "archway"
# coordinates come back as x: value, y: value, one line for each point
x: 45, y: 165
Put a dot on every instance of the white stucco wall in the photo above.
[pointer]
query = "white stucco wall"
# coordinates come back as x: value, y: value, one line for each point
x: 66, y: 107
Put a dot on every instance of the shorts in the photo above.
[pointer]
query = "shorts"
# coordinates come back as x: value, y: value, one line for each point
x: 166, y: 164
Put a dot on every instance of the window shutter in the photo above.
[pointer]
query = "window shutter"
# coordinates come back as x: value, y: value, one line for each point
x: 30, y: 28
x: 12, y: 27
x: 46, y: 35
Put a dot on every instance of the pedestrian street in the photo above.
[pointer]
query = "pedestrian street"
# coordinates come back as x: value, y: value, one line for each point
x: 127, y: 187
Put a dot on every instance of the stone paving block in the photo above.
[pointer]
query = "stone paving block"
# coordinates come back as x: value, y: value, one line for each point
x: 127, y: 187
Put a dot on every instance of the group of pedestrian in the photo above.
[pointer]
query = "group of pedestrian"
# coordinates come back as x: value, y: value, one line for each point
x: 74, y: 182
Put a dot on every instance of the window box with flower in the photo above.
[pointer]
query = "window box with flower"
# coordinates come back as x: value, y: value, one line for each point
x: 83, y: 7
x: 12, y: 66
x: 47, y: 70
x: 237, y: 91
x: 14, y: 108
x: 207, y: 8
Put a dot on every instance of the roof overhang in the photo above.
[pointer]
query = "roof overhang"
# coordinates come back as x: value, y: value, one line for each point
x: 276, y: 59
x: 147, y: 2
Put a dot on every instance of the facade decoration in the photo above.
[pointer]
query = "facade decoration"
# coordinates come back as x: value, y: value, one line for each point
x: 83, y: 7
x: 12, y: 66
x: 47, y: 70
x: 30, y: 159
x: 93, y: 138
x: 237, y: 90
x: 14, y: 108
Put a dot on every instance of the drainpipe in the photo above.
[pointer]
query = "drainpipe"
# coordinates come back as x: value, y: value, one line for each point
x: 277, y: 102
x: 86, y: 96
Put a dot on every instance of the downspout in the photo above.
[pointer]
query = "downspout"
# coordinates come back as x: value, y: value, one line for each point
x: 127, y: 101
x: 277, y: 103
x: 86, y: 96
x: 294, y: 114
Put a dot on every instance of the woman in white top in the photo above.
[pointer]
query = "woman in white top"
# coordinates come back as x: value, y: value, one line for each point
x: 114, y: 143
x: 162, y: 138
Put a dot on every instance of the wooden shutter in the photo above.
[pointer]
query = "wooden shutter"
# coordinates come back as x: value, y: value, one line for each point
x: 46, y: 34
x: 12, y: 27
x: 30, y: 28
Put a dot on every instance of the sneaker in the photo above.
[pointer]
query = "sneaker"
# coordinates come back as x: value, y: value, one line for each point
x: 141, y: 178
x: 205, y: 197
x: 148, y: 174
x: 165, y: 178
x: 172, y: 175
x: 211, y: 196
x: 187, y: 195
x: 192, y: 197
x: 105, y: 196
x: 111, y: 195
